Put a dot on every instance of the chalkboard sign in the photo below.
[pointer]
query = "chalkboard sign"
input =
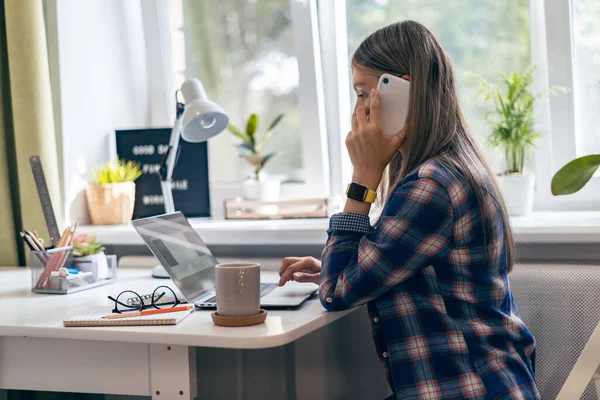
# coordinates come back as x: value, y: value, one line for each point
x: 190, y: 176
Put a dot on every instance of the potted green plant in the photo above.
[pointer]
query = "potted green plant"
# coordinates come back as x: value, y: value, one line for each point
x: 513, y: 132
x: 575, y: 175
x: 111, y: 196
x: 251, y: 148
x: 87, y: 249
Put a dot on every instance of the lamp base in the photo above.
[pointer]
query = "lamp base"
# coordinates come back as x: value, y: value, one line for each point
x: 160, y: 272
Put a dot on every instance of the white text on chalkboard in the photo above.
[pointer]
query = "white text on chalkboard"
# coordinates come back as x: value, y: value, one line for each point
x: 149, y: 149
x: 153, y: 199
x: 143, y: 150
x: 180, y: 185
x: 162, y: 148
x: 150, y: 168
x: 189, y: 184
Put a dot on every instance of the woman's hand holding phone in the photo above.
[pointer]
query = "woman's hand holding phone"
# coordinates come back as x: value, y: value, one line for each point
x: 370, y: 149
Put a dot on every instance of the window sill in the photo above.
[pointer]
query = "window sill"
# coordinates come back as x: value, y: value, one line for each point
x: 229, y: 232
x: 558, y: 227
x: 540, y: 227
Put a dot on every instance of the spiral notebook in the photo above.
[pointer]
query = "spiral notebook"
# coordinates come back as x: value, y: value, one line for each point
x: 147, y: 320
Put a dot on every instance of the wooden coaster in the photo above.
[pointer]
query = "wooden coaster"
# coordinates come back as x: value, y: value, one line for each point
x: 239, y: 321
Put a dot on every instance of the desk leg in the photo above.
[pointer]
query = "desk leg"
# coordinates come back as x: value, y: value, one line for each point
x: 597, y: 383
x: 172, y: 372
x: 585, y: 369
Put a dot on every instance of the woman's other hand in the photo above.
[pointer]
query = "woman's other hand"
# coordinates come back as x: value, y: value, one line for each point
x: 370, y: 149
x: 300, y: 269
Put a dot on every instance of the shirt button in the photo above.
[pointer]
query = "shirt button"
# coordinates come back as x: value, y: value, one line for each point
x: 385, y: 354
x: 376, y: 319
x: 328, y: 300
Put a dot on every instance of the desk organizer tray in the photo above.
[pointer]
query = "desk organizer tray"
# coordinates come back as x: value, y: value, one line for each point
x: 46, y: 276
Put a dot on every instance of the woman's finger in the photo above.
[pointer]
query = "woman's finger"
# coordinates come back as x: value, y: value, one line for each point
x: 287, y: 275
x: 304, y: 277
x: 361, y: 116
x: 400, y: 137
x: 304, y: 265
x: 354, y: 122
x: 375, y: 111
x: 287, y: 262
x: 397, y: 142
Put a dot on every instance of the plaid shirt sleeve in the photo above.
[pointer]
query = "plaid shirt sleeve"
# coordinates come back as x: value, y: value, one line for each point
x: 360, y: 263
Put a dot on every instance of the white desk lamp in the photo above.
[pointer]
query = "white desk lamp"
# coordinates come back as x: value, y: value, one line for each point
x: 196, y: 121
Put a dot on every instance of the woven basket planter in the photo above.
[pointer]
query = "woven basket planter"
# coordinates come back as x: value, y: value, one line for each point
x: 111, y: 204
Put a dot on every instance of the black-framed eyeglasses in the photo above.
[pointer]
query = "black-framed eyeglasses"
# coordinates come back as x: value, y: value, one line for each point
x: 161, y: 297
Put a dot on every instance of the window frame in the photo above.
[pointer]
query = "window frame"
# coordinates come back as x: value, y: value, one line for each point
x: 551, y: 45
x: 552, y: 51
x: 310, y: 103
x: 336, y: 84
x: 324, y: 100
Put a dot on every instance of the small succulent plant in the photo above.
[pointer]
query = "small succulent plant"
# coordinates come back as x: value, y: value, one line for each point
x: 86, y: 245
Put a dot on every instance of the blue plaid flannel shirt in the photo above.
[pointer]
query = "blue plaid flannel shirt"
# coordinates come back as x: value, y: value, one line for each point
x: 441, y: 310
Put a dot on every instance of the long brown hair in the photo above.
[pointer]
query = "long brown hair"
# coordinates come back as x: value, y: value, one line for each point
x: 436, y: 126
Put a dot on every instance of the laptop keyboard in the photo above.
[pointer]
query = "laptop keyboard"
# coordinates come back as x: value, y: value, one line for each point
x: 265, y: 288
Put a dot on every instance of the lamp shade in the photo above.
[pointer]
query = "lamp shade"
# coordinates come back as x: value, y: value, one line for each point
x: 202, y: 118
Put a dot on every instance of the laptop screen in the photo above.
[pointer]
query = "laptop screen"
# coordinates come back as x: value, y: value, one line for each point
x: 181, y: 251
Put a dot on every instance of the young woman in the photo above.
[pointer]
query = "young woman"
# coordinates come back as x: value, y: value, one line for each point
x: 434, y: 268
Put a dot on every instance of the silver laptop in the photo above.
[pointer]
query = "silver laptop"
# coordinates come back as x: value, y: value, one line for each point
x: 191, y: 265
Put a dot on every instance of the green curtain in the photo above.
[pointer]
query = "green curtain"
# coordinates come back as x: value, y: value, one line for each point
x: 26, y: 126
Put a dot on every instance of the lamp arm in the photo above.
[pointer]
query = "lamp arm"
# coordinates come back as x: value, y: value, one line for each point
x: 173, y: 147
x: 168, y: 164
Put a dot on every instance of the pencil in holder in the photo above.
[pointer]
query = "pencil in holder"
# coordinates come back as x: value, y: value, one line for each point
x: 43, y: 263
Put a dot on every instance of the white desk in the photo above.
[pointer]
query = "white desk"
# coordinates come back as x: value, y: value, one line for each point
x: 38, y: 353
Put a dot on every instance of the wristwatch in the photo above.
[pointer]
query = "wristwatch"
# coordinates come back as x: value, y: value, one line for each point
x: 358, y: 192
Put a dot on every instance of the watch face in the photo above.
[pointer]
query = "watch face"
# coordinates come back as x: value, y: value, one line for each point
x: 357, y: 192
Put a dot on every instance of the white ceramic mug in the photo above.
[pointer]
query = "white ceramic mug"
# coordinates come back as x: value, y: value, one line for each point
x: 238, y: 289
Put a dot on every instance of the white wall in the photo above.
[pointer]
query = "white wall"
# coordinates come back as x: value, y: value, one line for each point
x: 110, y: 73
x: 103, y: 85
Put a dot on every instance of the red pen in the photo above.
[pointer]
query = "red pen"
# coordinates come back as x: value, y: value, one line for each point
x: 150, y: 312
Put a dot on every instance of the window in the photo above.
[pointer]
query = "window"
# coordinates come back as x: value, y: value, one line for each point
x: 246, y: 53
x: 586, y: 75
x: 566, y: 42
x: 477, y: 35
x: 271, y: 56
x: 561, y: 37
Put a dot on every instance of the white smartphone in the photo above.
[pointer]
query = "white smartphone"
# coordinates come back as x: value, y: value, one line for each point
x: 394, y: 94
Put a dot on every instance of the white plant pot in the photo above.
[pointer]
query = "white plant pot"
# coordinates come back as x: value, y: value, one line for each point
x: 101, y: 262
x: 518, y: 191
x: 267, y: 190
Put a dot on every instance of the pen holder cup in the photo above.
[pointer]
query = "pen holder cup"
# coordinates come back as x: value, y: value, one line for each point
x: 47, y: 276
